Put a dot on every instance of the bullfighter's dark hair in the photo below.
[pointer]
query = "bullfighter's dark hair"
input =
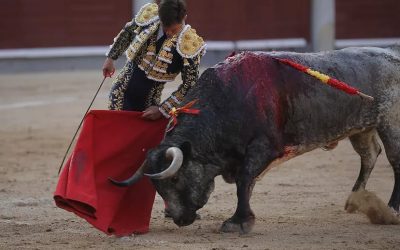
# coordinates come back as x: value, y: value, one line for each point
x: 172, y: 11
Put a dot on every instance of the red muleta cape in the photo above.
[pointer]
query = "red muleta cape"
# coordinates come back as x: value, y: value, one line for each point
x: 111, y: 144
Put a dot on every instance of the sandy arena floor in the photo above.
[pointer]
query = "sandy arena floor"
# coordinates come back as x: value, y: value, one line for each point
x: 298, y: 205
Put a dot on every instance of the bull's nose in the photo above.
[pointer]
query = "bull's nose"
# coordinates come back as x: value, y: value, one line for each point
x: 185, y: 221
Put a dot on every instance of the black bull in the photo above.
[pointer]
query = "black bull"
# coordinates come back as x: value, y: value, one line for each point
x: 256, y: 112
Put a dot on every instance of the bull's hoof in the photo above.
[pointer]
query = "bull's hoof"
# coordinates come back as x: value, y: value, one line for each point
x: 235, y: 225
x: 394, y: 212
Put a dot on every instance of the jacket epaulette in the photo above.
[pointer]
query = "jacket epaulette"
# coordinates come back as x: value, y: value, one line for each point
x: 147, y: 14
x: 189, y: 44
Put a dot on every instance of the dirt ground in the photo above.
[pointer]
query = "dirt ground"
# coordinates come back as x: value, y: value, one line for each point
x: 298, y: 205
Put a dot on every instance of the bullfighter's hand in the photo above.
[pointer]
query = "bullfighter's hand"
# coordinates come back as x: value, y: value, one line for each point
x: 108, y: 67
x: 152, y: 113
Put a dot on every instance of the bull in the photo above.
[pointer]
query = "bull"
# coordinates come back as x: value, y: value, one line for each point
x: 257, y: 112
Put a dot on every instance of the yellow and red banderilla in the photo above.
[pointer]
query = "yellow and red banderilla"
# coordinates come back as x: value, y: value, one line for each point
x: 335, y: 83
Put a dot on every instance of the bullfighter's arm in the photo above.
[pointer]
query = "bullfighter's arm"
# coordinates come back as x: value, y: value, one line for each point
x: 148, y: 14
x: 122, y: 40
x: 190, y: 74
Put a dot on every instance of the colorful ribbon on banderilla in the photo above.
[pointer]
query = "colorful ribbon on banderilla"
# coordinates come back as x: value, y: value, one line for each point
x: 185, y: 109
x: 325, y: 79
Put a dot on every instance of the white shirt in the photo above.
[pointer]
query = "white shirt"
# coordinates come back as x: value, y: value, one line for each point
x: 160, y: 33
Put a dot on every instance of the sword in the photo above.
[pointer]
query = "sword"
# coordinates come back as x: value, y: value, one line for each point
x: 80, y: 124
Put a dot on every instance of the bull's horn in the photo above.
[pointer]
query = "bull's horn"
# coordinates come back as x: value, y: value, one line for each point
x: 133, y: 179
x: 177, y: 159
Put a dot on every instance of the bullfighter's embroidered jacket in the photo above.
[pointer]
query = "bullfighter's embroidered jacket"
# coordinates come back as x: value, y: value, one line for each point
x: 153, y: 62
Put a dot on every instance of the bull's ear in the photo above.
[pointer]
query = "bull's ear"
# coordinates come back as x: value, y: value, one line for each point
x: 186, y: 148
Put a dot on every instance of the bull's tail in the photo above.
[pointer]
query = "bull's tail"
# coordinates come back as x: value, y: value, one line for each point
x: 325, y: 79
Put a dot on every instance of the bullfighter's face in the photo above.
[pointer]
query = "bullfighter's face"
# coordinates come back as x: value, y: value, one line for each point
x: 173, y: 29
x: 188, y: 189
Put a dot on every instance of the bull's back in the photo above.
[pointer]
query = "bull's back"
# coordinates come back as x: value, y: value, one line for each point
x: 316, y: 112
x: 305, y: 109
x: 367, y: 68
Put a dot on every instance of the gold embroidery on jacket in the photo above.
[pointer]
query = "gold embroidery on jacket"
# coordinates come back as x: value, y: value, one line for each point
x: 190, y: 45
x: 147, y: 14
x: 140, y: 39
x: 156, y: 66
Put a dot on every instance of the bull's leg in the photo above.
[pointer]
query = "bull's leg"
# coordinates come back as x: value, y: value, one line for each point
x: 243, y: 219
x: 367, y: 146
x: 390, y: 137
x: 258, y: 156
